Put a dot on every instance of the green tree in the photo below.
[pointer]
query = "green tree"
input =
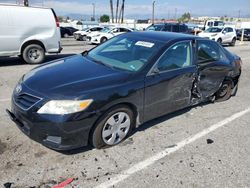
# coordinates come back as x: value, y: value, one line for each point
x: 186, y: 17
x: 104, y: 18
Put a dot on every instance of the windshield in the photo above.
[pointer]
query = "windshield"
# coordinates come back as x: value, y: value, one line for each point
x: 218, y: 23
x: 127, y: 53
x: 213, y: 30
x: 105, y: 30
x: 155, y: 28
x: 85, y: 29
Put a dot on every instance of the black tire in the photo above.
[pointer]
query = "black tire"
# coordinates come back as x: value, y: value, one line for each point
x: 84, y: 38
x: 225, y: 91
x: 96, y: 139
x: 103, y: 39
x: 219, y: 41
x: 233, y: 42
x: 33, y: 54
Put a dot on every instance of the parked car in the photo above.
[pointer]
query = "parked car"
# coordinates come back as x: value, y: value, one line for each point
x: 82, y: 35
x: 225, y: 35
x: 246, y: 34
x: 169, y: 27
x: 28, y: 32
x: 107, y: 33
x: 100, y: 96
x: 67, y: 31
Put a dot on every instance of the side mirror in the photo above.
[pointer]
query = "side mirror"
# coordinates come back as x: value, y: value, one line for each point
x: 155, y: 71
x: 85, y: 53
x: 224, y: 32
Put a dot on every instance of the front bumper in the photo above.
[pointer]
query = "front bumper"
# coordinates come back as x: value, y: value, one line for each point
x: 54, y: 132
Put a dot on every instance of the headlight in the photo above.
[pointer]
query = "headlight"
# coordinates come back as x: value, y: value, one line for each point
x: 97, y: 35
x: 61, y: 107
x: 213, y: 35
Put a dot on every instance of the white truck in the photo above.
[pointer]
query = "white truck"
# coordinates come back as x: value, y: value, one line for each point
x: 28, y: 32
x: 213, y: 23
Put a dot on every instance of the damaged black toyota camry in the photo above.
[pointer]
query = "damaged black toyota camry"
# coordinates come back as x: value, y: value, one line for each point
x: 99, y: 96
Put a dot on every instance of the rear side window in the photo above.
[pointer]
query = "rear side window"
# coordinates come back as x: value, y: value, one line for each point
x: 124, y: 30
x: 209, y: 51
x: 183, y: 28
x: 177, y: 56
x: 167, y: 28
x: 175, y: 28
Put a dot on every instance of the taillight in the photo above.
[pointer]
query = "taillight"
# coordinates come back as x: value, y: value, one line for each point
x: 56, y: 19
x: 57, y: 22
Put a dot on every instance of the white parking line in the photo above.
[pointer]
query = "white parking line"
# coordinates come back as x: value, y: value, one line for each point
x: 149, y: 161
x: 246, y: 58
x: 4, y: 100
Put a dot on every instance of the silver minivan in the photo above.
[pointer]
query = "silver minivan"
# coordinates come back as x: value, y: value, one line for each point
x: 28, y: 32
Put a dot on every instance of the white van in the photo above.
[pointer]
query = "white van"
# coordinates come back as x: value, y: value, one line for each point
x: 28, y: 32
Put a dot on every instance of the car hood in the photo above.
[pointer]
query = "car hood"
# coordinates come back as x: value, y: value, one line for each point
x: 80, y: 32
x: 206, y: 34
x: 72, y: 77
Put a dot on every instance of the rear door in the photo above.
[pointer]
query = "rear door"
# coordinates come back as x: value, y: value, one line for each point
x: 169, y: 83
x: 213, y: 67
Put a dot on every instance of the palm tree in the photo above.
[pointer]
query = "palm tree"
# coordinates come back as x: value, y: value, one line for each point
x: 122, y: 11
x: 112, y: 10
x: 116, y: 14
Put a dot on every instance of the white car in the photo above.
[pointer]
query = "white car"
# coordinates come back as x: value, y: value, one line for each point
x: 107, y: 33
x: 28, y: 32
x: 225, y: 35
x: 82, y: 34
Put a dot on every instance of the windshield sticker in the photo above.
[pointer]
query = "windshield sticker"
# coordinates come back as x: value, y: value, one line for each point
x: 144, y: 44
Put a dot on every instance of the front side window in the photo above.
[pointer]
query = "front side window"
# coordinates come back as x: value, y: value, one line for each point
x: 177, y: 56
x: 209, y: 51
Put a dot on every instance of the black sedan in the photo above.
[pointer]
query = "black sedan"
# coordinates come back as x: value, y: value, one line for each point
x: 98, y: 97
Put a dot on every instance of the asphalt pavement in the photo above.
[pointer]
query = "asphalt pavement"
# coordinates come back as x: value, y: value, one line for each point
x: 203, y: 146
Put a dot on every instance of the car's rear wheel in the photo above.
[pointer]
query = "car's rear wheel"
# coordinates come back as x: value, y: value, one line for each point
x: 66, y: 35
x: 219, y: 41
x: 233, y: 42
x: 103, y: 39
x: 225, y: 91
x: 113, y: 127
x: 33, y: 54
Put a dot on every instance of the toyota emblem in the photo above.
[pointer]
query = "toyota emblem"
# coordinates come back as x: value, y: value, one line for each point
x: 18, y: 88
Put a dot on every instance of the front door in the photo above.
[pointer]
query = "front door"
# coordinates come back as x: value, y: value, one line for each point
x: 169, y: 83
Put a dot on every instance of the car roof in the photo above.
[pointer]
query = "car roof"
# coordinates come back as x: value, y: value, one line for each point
x: 162, y: 35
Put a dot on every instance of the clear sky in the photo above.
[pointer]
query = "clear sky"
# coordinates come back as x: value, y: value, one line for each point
x: 163, y: 8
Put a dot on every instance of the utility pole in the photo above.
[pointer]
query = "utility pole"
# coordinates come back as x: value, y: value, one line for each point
x: 116, y: 14
x: 93, y: 4
x: 112, y: 10
x: 153, y: 12
x: 175, y: 13
x: 123, y: 4
x: 239, y: 16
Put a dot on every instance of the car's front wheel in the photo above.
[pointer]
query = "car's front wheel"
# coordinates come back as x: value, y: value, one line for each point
x: 33, y: 54
x: 114, y: 126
